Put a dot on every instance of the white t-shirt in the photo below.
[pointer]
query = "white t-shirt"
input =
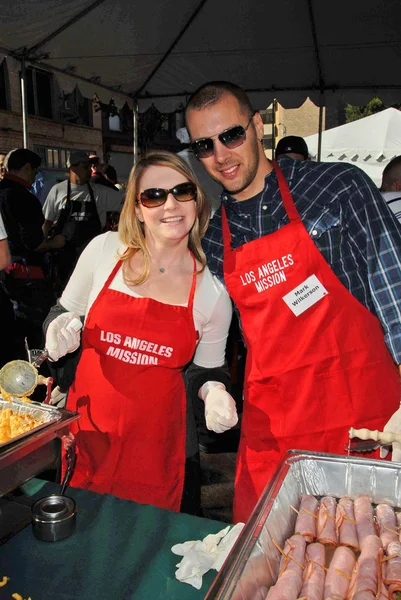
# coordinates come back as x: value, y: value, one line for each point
x: 393, y: 199
x: 3, y: 233
x: 106, y: 199
x: 212, y: 306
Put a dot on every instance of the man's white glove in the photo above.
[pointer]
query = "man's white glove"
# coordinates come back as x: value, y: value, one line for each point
x: 220, y: 408
x: 393, y: 425
x: 63, y: 335
x: 58, y: 398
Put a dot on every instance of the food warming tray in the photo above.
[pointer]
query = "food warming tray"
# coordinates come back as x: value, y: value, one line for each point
x: 252, y: 566
x: 42, y: 412
x: 35, y: 451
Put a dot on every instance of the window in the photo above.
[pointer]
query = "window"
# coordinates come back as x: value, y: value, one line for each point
x: 267, y: 142
x: 114, y: 123
x: 39, y: 91
x: 267, y: 116
x: 3, y: 86
x: 54, y: 158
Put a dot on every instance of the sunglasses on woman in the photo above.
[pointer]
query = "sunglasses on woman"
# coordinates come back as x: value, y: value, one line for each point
x: 152, y: 197
x: 231, y: 138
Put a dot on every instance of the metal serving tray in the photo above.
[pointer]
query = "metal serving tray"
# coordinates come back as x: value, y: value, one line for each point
x: 37, y: 450
x: 252, y: 566
x: 47, y: 414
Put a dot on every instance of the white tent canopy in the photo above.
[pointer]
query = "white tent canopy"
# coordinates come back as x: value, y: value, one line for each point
x: 368, y: 143
x: 160, y: 51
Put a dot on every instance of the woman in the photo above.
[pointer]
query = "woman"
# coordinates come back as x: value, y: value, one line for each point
x: 150, y: 306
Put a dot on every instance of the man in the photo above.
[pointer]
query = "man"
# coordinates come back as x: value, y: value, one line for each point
x: 7, y: 325
x: 391, y: 186
x: 77, y: 210
x: 315, y: 272
x: 26, y: 282
x: 293, y: 146
x: 97, y: 175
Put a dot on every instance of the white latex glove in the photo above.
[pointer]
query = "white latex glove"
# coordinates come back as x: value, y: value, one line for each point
x: 63, y: 335
x: 58, y: 398
x: 393, y: 425
x: 200, y: 556
x: 220, y: 409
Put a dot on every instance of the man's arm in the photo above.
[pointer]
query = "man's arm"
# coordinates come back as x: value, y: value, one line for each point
x: 375, y: 234
x: 47, y: 225
x: 5, y: 256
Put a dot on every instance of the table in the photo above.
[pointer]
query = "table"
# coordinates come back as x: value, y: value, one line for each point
x: 119, y: 551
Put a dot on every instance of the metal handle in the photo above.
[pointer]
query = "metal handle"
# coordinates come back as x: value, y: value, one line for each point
x: 40, y: 359
x: 380, y: 436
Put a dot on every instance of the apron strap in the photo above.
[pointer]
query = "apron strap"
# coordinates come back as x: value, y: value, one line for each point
x: 285, y: 193
x: 118, y: 266
x: 193, y: 286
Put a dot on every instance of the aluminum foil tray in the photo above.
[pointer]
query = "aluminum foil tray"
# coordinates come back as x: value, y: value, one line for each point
x: 252, y: 566
x: 48, y: 414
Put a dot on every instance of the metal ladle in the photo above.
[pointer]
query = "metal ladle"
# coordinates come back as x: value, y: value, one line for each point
x: 20, y: 378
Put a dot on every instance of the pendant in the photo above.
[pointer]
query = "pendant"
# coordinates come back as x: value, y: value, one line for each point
x: 161, y: 269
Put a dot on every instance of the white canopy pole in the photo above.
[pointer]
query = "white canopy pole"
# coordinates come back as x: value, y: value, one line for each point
x: 24, y: 104
x: 135, y: 130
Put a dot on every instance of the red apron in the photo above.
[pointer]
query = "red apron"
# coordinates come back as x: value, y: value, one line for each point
x: 309, y: 376
x: 130, y: 392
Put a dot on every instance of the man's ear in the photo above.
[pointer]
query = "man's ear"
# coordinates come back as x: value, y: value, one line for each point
x: 258, y: 124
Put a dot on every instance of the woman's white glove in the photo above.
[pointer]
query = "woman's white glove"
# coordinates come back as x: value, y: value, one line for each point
x: 393, y: 425
x: 220, y: 409
x: 58, y: 398
x: 63, y: 335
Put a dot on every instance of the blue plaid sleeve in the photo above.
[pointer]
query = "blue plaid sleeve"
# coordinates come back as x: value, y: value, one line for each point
x: 375, y: 234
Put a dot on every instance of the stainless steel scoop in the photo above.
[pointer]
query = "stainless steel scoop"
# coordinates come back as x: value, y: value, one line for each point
x: 20, y: 377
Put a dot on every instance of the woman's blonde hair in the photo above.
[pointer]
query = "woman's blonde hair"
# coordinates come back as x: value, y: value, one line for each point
x: 130, y: 229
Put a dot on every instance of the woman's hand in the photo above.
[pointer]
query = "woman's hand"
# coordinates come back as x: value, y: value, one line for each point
x: 220, y: 409
x: 63, y: 335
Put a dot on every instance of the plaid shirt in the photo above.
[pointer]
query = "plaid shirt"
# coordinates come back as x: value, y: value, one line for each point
x: 347, y: 219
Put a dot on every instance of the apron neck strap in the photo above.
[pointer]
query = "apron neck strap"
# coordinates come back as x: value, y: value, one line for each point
x: 193, y: 286
x: 285, y: 193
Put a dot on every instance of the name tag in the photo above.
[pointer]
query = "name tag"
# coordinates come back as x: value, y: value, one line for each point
x: 305, y: 295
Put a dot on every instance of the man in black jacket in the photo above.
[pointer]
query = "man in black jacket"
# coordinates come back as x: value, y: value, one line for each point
x: 26, y: 281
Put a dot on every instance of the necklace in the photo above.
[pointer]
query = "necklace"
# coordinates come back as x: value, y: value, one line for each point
x: 164, y: 269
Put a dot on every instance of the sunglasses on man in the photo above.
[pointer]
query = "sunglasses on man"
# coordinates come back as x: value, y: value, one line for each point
x: 231, y: 138
x: 152, y: 197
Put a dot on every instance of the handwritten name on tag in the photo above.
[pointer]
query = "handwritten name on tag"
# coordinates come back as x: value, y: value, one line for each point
x: 305, y: 295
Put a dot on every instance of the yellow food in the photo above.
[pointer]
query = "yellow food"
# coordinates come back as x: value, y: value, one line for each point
x: 13, y: 424
x: 4, y: 581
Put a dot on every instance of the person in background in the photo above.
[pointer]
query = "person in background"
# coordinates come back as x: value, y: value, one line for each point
x: 97, y: 175
x: 2, y: 170
x: 7, y: 319
x: 77, y: 209
x: 150, y: 307
x: 26, y: 279
x: 391, y: 185
x: 310, y: 255
x: 211, y: 188
x: 111, y: 175
x: 293, y: 146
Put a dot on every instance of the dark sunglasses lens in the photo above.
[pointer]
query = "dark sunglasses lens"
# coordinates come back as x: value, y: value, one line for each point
x: 203, y: 148
x: 233, y: 137
x: 184, y: 192
x: 153, y: 197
